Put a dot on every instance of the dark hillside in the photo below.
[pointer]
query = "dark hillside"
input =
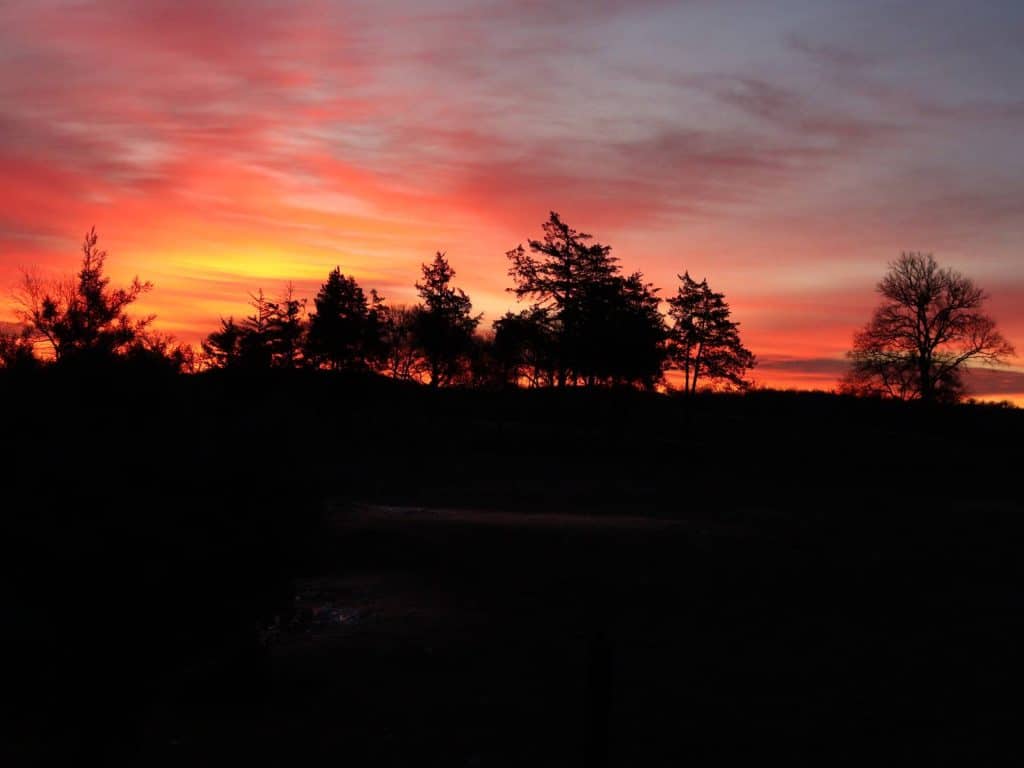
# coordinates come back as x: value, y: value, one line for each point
x: 621, y: 578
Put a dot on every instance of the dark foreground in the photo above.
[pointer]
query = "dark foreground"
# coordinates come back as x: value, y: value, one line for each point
x: 218, y: 572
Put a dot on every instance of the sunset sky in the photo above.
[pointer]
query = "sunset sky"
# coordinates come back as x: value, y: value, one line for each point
x: 785, y: 149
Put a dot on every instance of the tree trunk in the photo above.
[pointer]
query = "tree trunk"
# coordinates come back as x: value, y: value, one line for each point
x: 927, y: 386
x: 696, y: 367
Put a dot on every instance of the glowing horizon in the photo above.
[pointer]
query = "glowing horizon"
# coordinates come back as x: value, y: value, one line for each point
x: 786, y: 154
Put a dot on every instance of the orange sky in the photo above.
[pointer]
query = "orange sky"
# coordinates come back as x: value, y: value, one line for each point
x: 787, y: 155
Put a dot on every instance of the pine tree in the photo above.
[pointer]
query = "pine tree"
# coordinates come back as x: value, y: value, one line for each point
x: 567, y: 275
x: 84, y: 318
x: 524, y: 347
x: 344, y: 328
x: 632, y: 347
x: 222, y: 348
x: 604, y: 327
x: 254, y: 345
x: 704, y: 343
x: 286, y: 330
x: 443, y: 324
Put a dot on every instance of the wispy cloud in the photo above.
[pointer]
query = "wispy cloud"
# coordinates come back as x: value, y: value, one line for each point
x: 787, y: 151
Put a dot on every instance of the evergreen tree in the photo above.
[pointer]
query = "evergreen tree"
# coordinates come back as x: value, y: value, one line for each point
x: 84, y: 318
x: 222, y: 348
x: 375, y: 336
x: 524, y: 347
x: 567, y: 275
x: 345, y: 330
x: 443, y: 324
x: 631, y: 333
x: 255, y: 347
x: 273, y: 336
x: 604, y: 328
x: 286, y: 330
x: 704, y: 343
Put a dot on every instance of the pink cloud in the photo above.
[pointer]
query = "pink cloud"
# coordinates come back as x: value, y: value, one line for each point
x: 219, y: 146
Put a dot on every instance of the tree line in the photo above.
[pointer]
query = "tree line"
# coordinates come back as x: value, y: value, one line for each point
x: 586, y: 322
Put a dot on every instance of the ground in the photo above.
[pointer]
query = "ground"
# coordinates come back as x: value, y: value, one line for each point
x: 266, y: 570
x: 456, y: 637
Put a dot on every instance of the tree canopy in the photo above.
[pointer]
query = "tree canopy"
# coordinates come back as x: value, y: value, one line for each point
x: 345, y: 329
x: 524, y: 347
x: 928, y: 328
x: 443, y: 324
x: 273, y: 336
x: 601, y: 326
x: 704, y: 342
x: 17, y: 349
x: 84, y: 317
x: 588, y: 323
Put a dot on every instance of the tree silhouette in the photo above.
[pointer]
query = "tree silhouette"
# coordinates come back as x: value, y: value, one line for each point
x: 255, y: 346
x: 483, y: 370
x: 920, y: 339
x: 604, y: 328
x: 375, y: 342
x: 159, y: 352
x: 222, y: 348
x: 443, y: 324
x: 84, y: 317
x: 523, y: 347
x: 273, y: 336
x: 17, y: 350
x: 629, y: 333
x: 704, y: 343
x: 345, y: 330
x: 286, y: 330
x: 564, y: 272
x: 398, y: 356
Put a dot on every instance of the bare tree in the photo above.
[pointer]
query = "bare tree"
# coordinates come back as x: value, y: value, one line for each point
x: 399, y: 358
x: 922, y: 336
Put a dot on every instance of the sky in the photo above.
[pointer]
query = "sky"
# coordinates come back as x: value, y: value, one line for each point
x: 787, y: 150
